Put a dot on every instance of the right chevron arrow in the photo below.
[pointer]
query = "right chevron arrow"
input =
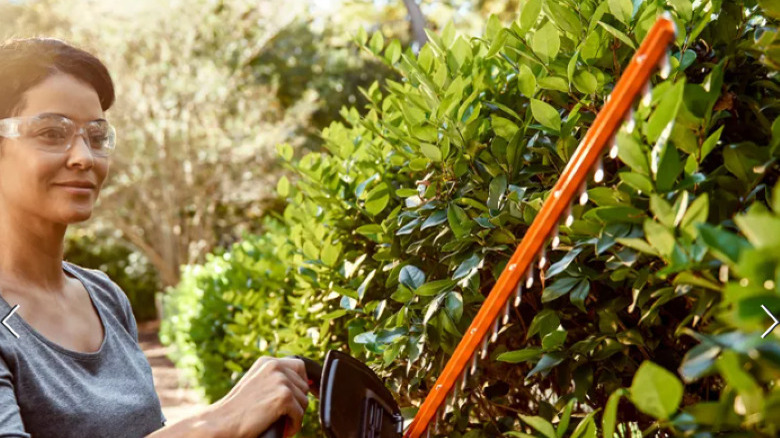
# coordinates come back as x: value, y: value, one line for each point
x: 769, y: 330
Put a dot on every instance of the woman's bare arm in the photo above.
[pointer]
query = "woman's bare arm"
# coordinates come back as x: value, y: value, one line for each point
x: 205, y: 424
x: 270, y: 388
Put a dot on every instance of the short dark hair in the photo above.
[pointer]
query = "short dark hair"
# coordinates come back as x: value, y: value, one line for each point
x: 24, y: 63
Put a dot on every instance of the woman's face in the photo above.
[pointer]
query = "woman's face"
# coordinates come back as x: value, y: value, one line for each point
x: 29, y: 176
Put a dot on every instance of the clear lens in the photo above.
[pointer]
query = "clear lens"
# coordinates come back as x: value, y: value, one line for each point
x: 56, y: 134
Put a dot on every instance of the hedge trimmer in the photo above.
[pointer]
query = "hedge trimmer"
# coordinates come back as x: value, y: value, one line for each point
x: 349, y: 388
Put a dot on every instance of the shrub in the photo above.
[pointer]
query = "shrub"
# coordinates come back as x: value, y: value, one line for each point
x: 125, y: 266
x: 400, y: 227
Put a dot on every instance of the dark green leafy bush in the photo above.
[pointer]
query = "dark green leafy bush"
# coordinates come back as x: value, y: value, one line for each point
x: 125, y: 266
x: 400, y: 227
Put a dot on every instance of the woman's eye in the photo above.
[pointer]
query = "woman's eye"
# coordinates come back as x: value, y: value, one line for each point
x: 52, y: 134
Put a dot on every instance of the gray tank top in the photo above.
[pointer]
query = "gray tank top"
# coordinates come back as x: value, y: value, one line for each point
x: 49, y: 391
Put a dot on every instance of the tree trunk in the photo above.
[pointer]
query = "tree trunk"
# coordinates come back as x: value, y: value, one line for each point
x: 416, y: 24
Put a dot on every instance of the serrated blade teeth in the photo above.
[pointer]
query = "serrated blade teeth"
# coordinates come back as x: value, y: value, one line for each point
x: 613, y: 149
x: 630, y: 122
x: 507, y: 310
x: 473, y: 364
x: 483, y: 354
x: 598, y: 175
x: 529, y: 278
x: 665, y: 67
x: 583, y: 194
x: 569, y: 218
x: 463, y: 379
x: 647, y: 94
x: 518, y: 293
x: 454, y: 393
x: 494, y: 333
x: 542, y: 259
x: 556, y: 239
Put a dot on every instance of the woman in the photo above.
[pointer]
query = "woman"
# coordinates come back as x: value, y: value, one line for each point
x: 70, y: 364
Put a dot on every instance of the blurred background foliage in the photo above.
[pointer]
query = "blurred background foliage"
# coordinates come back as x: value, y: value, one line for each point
x: 303, y: 176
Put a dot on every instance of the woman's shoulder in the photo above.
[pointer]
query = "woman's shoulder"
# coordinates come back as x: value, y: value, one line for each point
x: 105, y: 289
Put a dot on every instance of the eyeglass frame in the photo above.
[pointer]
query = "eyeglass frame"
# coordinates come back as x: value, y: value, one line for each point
x: 9, y: 128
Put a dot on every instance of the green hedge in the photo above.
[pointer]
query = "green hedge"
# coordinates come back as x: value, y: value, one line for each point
x: 395, y: 232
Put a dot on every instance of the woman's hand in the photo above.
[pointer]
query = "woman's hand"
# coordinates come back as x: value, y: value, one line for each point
x: 270, y: 388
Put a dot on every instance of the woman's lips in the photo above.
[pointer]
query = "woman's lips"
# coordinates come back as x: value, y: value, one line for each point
x: 77, y: 190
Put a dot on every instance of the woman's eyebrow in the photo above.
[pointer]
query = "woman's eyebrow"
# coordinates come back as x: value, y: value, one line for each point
x: 100, y: 119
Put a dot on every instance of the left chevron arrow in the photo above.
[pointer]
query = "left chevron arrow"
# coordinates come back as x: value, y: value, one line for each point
x: 5, y: 320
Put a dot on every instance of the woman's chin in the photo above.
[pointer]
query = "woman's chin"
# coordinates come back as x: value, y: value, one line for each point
x: 77, y: 215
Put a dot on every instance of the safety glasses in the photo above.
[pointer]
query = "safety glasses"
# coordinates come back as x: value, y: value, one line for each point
x: 55, y: 133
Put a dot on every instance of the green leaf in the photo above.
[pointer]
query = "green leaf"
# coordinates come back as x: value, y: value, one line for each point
x: 637, y: 181
x: 557, y: 83
x: 540, y: 425
x: 454, y: 305
x: 504, y: 128
x: 586, y: 82
x: 543, y: 323
x: 459, y: 221
x: 519, y: 356
x: 435, y: 287
x: 761, y: 229
x: 377, y: 43
x: 563, y: 425
x: 696, y: 214
x: 285, y: 151
x: 586, y: 427
x: 631, y: 153
x: 529, y: 14
x: 776, y: 197
x: 732, y: 370
x: 561, y: 265
x: 560, y: 287
x: 564, y: 17
x: 572, y: 65
x: 466, y: 267
x: 637, y: 244
x: 497, y: 44
x: 377, y: 199
x: 330, y: 254
x: 659, y: 237
x: 554, y: 339
x: 361, y: 290
x: 283, y: 187
x: 545, y: 114
x: 393, y: 51
x: 662, y: 210
x: 683, y: 7
x: 580, y: 292
x: 496, y: 190
x: 432, y: 152
x: 655, y: 391
x: 725, y: 244
x: 669, y: 168
x: 665, y: 112
x: 546, y: 42
x: 609, y: 417
x: 526, y: 81
x: 622, y: 10
x: 438, y: 217
x: 699, y: 361
x: 411, y: 276
x: 545, y: 364
x: 618, y: 34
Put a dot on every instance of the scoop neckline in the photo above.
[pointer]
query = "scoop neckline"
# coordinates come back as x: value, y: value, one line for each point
x: 76, y: 354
